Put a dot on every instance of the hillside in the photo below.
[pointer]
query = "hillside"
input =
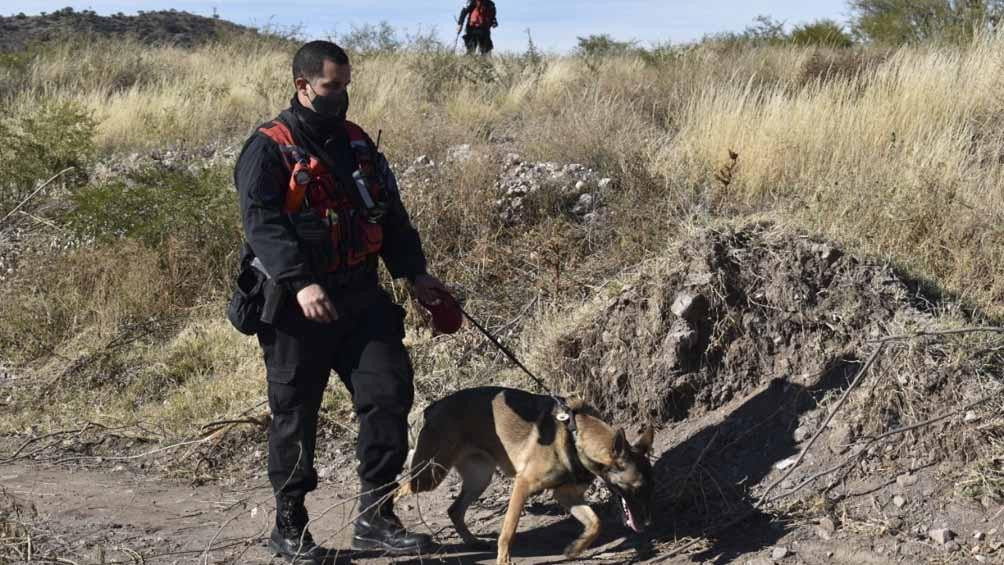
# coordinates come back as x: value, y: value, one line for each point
x: 169, y: 27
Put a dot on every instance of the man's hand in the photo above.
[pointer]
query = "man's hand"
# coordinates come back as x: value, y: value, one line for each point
x: 316, y: 305
x: 428, y: 289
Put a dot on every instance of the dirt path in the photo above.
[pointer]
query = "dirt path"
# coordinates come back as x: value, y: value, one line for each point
x: 98, y: 513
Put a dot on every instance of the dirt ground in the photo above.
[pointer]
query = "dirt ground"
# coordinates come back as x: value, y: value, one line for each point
x: 108, y: 513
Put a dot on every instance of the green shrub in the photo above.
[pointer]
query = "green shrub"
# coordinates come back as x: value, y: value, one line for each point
x: 823, y: 33
x: 603, y: 45
x: 37, y: 145
x: 371, y: 39
x: 896, y: 22
x: 154, y: 205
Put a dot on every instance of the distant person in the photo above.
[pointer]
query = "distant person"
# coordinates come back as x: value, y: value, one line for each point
x: 320, y: 208
x: 480, y: 18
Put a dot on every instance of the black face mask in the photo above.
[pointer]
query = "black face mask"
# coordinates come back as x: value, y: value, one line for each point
x: 332, y: 106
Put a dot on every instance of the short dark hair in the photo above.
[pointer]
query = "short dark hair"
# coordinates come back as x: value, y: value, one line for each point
x: 308, y: 62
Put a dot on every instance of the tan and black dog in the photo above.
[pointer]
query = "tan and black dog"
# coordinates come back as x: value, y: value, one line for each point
x: 478, y: 430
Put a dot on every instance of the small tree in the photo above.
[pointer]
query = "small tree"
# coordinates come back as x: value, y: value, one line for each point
x: 825, y: 33
x: 913, y: 21
x: 603, y: 45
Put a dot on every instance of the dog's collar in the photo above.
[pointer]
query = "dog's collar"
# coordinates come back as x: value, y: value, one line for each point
x: 579, y: 470
x: 565, y: 414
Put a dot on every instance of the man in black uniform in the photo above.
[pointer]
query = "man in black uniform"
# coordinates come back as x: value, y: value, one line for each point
x: 480, y: 18
x: 320, y: 205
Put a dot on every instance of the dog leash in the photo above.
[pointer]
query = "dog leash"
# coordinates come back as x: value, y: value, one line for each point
x: 566, y: 415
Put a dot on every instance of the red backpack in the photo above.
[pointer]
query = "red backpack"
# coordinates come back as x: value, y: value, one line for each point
x: 483, y: 14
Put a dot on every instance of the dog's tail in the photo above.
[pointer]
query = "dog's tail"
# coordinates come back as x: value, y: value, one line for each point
x: 430, y: 463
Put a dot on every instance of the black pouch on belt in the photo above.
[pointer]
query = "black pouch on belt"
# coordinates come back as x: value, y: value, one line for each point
x: 245, y: 307
x: 314, y: 233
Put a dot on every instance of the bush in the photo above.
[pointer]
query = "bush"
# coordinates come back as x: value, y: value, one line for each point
x: 155, y: 205
x: 35, y: 146
x: 823, y: 33
x: 603, y: 45
x: 896, y: 22
x: 370, y: 39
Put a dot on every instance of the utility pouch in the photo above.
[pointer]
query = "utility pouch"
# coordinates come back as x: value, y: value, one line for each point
x: 275, y: 298
x: 314, y: 233
x: 245, y: 308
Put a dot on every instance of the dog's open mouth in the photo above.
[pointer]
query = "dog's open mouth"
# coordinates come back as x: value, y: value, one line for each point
x: 628, y: 516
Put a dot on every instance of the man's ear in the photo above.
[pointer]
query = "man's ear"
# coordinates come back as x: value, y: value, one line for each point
x: 620, y: 445
x: 300, y: 84
x: 644, y: 442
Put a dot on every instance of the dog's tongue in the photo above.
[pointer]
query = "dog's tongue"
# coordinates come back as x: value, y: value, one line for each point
x: 629, y: 518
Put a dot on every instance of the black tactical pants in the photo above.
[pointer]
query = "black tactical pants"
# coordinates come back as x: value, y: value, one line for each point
x: 479, y: 38
x: 364, y: 348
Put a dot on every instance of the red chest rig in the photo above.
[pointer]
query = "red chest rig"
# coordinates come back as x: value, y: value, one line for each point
x: 352, y: 213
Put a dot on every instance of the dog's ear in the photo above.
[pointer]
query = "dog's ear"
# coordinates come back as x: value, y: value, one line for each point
x: 644, y: 442
x: 620, y: 446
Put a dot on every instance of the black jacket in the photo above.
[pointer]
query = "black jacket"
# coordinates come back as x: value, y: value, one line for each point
x: 469, y: 7
x: 262, y: 179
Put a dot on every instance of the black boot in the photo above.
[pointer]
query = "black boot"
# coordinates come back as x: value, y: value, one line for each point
x: 290, y: 538
x: 378, y: 528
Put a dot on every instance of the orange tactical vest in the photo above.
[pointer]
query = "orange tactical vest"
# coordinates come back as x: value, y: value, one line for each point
x: 356, y: 234
x: 482, y: 15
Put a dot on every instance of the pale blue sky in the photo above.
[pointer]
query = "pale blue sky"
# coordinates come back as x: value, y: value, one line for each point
x: 553, y: 23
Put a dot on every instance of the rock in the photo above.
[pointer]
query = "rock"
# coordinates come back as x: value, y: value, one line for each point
x: 979, y: 536
x: 585, y: 204
x: 839, y: 438
x: 678, y: 345
x: 460, y: 152
x: 423, y: 160
x: 785, y: 463
x: 906, y: 480
x: 952, y: 547
x: 970, y: 416
x: 689, y: 306
x: 779, y: 552
x: 980, y: 558
x: 826, y: 253
x: 826, y: 528
x: 941, y: 535
x: 802, y: 433
x: 580, y: 186
x: 899, y: 501
x: 697, y: 279
x: 604, y: 183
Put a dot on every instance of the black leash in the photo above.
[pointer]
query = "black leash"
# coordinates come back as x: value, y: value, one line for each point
x: 569, y: 417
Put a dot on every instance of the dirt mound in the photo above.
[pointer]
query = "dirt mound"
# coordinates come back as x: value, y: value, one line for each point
x: 722, y: 313
x: 168, y: 27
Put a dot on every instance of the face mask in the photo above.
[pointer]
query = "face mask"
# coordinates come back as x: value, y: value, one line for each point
x: 331, y: 106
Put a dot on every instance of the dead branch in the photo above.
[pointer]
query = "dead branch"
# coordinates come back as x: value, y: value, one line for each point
x: 936, y: 333
x: 36, y: 191
x: 819, y: 432
x: 871, y: 441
